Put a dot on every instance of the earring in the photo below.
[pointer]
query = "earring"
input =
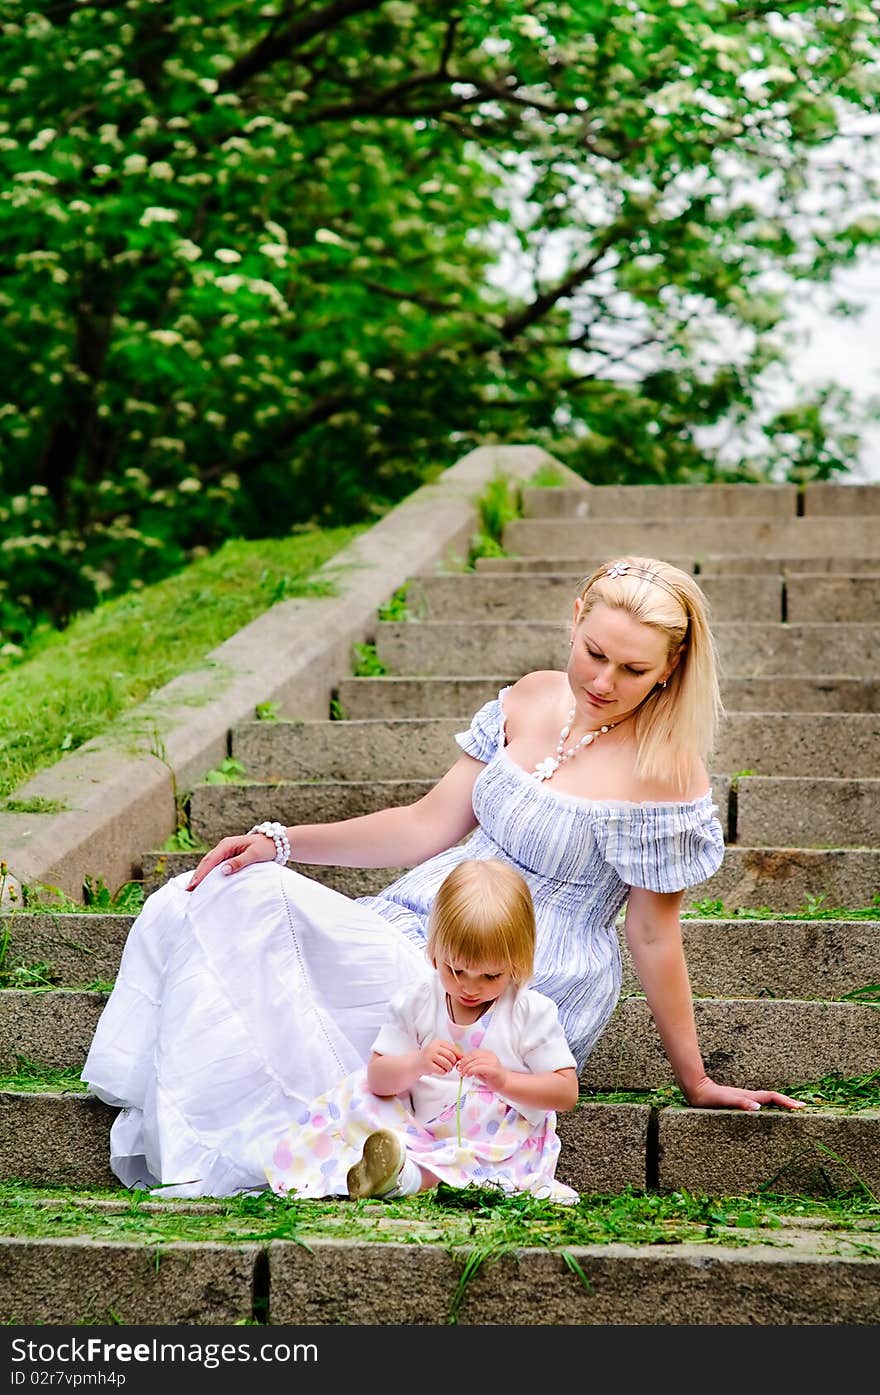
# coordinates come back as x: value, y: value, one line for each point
x: 663, y: 684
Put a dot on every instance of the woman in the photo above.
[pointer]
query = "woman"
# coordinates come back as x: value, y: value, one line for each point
x: 246, y: 990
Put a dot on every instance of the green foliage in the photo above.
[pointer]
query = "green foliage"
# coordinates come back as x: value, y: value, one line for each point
x: 367, y: 663
x: 813, y: 909
x: 851, y: 1093
x: 482, y: 1222
x: 547, y: 477
x: 74, y: 684
x: 36, y: 805
x: 396, y: 607
x: 498, y: 504
x: 30, y: 1077
x: 129, y: 898
x: 251, y: 257
x: 183, y: 840
x: 228, y: 772
x: 267, y: 711
x: 97, y: 899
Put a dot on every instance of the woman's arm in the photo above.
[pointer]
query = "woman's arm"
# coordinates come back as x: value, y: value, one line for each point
x: 397, y: 837
x: 653, y: 931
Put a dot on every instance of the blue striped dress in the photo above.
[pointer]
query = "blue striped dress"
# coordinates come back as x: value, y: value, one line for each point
x: 579, y: 857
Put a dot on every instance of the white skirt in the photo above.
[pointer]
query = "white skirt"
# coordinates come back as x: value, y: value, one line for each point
x: 235, y: 1006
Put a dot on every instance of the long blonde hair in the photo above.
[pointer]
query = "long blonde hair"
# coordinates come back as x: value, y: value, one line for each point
x: 675, y: 724
x: 483, y: 913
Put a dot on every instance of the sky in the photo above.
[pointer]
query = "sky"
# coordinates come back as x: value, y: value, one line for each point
x: 847, y: 351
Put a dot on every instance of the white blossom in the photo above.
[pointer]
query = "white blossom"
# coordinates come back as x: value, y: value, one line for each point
x: 227, y: 255
x: 158, y: 215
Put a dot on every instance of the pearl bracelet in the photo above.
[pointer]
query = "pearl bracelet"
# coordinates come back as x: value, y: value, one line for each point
x: 278, y: 833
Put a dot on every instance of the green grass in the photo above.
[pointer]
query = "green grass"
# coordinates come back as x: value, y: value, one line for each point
x: 813, y: 909
x: 74, y: 684
x: 33, y: 1079
x: 850, y: 1094
x: 474, y: 1218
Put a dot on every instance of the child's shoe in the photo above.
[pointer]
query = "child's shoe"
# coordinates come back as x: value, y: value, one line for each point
x: 384, y: 1169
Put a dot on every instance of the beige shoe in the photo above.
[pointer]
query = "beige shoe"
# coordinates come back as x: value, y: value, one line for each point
x: 380, y: 1165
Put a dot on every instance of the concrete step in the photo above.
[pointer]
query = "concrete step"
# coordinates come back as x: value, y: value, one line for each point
x: 746, y: 650
x: 788, y: 878
x: 674, y: 501
x: 841, y: 599
x: 824, y: 497
x: 818, y: 597
x: 745, y: 1041
x: 729, y: 958
x: 766, y: 743
x: 550, y: 596
x: 365, y: 699
x: 725, y: 501
x: 54, y: 1139
x: 808, y: 813
x: 217, y: 809
x: 703, y: 564
x: 659, y: 537
x: 797, y: 1275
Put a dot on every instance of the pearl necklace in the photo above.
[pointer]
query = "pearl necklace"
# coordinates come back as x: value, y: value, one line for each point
x: 550, y: 764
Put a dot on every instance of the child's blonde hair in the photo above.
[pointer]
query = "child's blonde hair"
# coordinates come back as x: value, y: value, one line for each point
x: 677, y: 721
x: 483, y: 913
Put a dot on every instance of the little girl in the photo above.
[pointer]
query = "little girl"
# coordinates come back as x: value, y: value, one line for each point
x: 465, y: 1075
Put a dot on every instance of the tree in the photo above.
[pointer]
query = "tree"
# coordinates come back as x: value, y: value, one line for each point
x: 251, y: 252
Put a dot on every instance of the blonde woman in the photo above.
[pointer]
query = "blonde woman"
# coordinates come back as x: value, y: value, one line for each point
x: 465, y: 1075
x: 246, y: 988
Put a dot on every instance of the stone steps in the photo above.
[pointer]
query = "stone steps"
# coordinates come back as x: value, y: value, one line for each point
x: 660, y: 537
x: 385, y: 698
x: 794, y: 1275
x: 743, y: 1039
x: 726, y: 957
x: 62, y: 1140
x: 701, y: 501
x: 789, y: 878
x: 464, y: 649
x: 805, y: 598
x: 702, y: 565
x: 832, y: 813
x: 845, y: 745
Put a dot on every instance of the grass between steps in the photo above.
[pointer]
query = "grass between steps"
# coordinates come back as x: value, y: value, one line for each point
x: 474, y: 1218
x: 72, y: 684
x: 849, y: 1094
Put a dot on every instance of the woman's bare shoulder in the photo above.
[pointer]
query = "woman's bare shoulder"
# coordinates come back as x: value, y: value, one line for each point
x: 661, y: 791
x: 541, y: 683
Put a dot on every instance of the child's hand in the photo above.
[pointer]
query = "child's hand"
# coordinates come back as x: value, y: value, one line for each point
x: 486, y: 1066
x: 438, y: 1057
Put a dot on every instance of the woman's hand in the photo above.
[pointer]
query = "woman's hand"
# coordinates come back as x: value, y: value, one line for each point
x: 235, y: 853
x: 438, y: 1057
x: 708, y: 1095
x: 486, y: 1066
